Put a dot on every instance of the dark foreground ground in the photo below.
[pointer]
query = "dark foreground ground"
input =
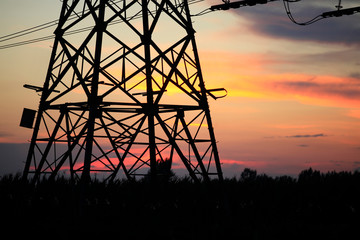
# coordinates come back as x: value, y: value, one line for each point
x: 314, y: 206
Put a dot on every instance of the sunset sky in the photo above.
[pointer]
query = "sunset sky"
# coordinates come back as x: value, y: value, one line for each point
x: 293, y: 91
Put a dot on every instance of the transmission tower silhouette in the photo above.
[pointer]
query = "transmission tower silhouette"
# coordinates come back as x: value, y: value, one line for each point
x: 123, y: 93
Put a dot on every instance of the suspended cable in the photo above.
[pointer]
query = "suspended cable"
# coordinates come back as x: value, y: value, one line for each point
x: 27, y: 31
x: 290, y: 16
x: 54, y: 23
x: 36, y: 29
x: 227, y: 5
x: 203, y: 12
x: 41, y: 26
x: 17, y: 44
x: 237, y: 4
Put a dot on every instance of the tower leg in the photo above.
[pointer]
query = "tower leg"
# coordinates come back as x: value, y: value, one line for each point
x: 204, y: 100
x: 31, y: 151
x: 150, y: 108
x: 93, y: 99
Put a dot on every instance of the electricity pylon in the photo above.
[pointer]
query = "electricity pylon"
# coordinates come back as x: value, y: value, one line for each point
x: 124, y: 89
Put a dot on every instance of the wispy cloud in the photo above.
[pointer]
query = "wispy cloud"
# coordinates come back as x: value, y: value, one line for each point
x: 308, y: 78
x: 4, y: 134
x: 355, y: 75
x: 323, y: 86
x: 307, y: 135
x: 303, y: 145
x: 314, y: 90
x: 299, y: 136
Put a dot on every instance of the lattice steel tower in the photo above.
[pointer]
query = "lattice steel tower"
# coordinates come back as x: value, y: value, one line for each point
x: 124, y: 89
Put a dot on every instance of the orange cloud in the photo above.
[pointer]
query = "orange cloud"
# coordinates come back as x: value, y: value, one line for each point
x: 322, y: 90
x: 264, y: 76
x: 355, y: 113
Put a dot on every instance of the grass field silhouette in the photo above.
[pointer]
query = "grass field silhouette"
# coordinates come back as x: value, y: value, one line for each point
x: 252, y: 206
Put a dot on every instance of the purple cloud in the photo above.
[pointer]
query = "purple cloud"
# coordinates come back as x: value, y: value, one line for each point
x: 271, y: 20
x: 307, y: 135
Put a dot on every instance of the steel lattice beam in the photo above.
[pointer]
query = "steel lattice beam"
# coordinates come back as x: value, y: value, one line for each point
x: 110, y: 101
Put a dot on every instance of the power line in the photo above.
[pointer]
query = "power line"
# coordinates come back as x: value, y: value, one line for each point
x: 40, y: 27
x: 203, y: 12
x: 48, y: 25
x: 337, y: 13
x: 54, y: 23
x: 27, y: 31
x: 292, y: 19
x: 231, y: 5
x: 225, y: 6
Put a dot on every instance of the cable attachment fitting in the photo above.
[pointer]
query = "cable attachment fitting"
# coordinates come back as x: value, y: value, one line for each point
x: 339, y: 7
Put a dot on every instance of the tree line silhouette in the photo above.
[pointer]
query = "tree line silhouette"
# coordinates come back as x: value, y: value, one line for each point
x: 314, y: 205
